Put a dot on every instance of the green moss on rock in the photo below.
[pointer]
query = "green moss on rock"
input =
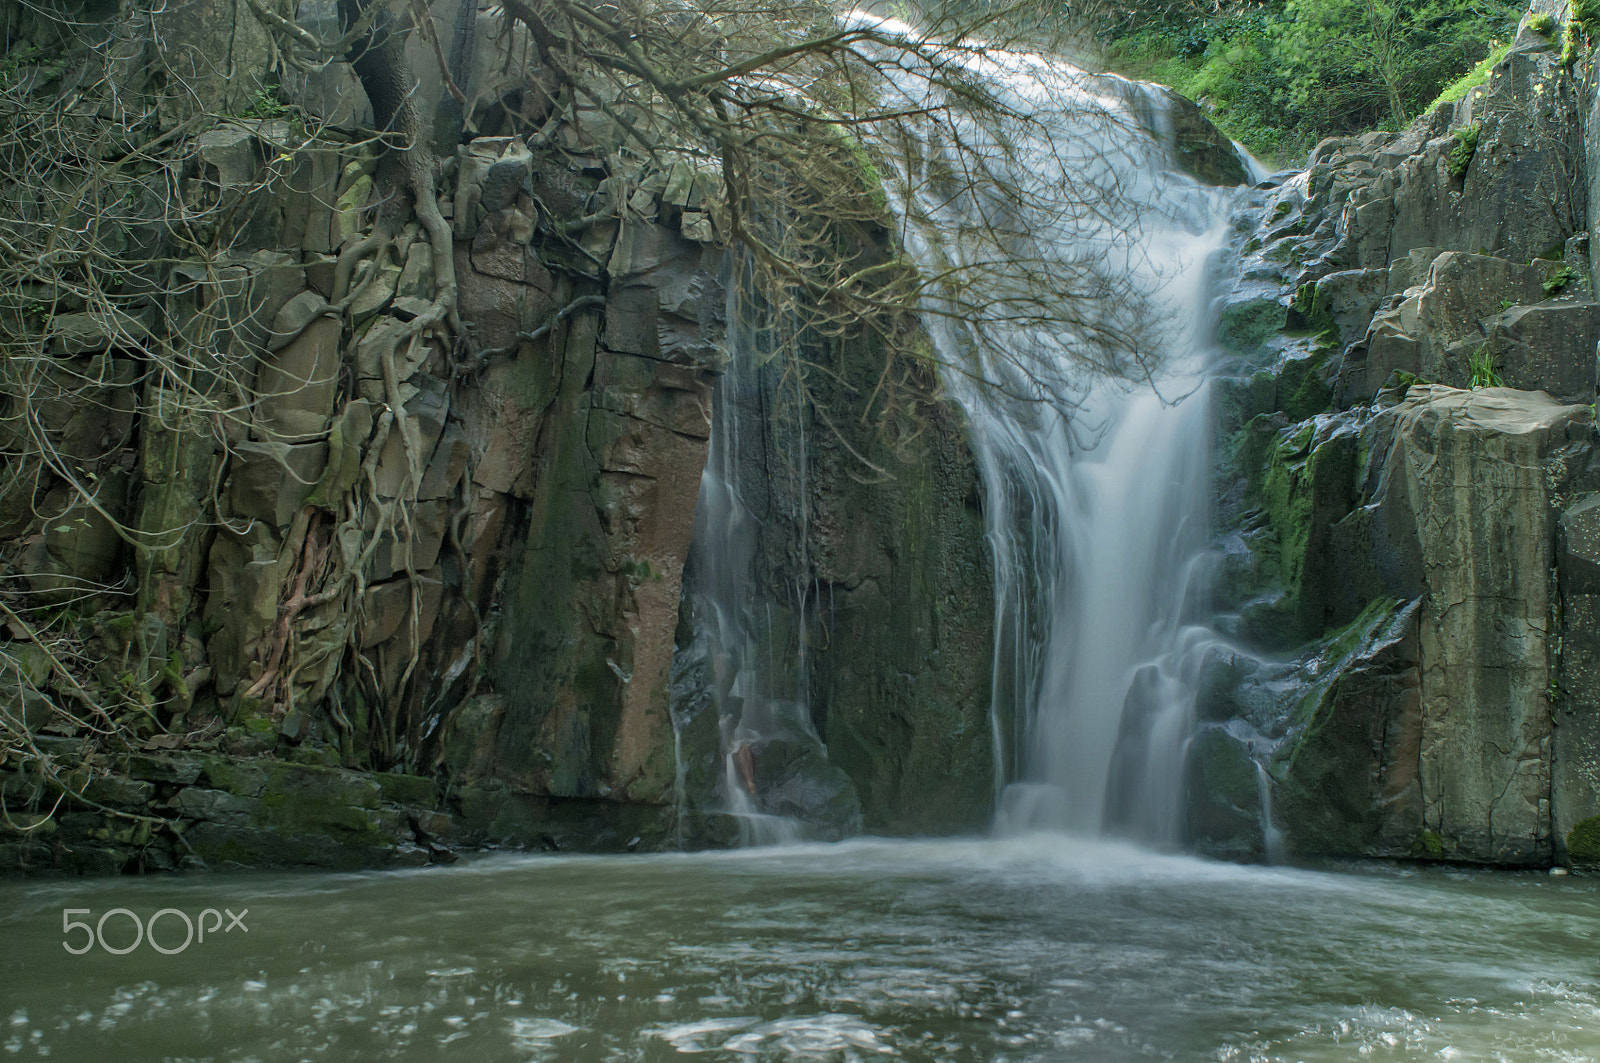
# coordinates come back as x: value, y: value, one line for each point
x: 408, y: 790
x: 1244, y: 327
x: 1583, y: 842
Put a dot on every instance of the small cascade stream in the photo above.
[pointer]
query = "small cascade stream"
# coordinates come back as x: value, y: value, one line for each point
x: 772, y: 780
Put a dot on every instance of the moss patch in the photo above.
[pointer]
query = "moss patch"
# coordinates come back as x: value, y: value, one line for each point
x: 1583, y: 842
x: 1244, y: 328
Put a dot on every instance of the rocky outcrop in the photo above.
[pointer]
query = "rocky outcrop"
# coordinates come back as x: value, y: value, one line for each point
x: 1408, y: 458
x: 1480, y: 470
x: 370, y: 527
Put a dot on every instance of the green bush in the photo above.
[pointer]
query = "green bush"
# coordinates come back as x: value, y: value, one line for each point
x: 1571, y: 42
x: 1558, y: 281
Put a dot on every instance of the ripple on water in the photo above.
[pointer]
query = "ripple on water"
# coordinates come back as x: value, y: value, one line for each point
x: 811, y: 1037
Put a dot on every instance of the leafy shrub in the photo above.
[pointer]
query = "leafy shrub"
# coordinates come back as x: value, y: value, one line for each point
x: 1558, y: 281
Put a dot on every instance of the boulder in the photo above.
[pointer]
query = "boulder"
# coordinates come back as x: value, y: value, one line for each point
x: 1347, y: 778
x: 1222, y: 802
x: 296, y: 385
x: 268, y: 481
x: 1347, y: 301
x: 227, y: 156
x: 73, y: 334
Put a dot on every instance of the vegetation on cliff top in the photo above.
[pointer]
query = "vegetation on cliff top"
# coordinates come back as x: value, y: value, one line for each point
x: 1279, y: 75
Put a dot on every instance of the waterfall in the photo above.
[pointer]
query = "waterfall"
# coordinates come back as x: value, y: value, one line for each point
x: 1075, y: 334
x: 1081, y: 365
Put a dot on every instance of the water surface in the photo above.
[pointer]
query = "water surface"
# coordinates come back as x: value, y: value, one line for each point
x: 1031, y: 948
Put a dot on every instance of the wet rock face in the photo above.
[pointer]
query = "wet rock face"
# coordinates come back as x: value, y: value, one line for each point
x: 1349, y: 780
x: 1427, y: 593
x: 1200, y: 148
x: 1223, y: 816
x: 874, y: 602
x: 904, y: 628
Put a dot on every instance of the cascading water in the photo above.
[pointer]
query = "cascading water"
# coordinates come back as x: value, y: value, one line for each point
x: 1097, y: 496
x: 772, y: 781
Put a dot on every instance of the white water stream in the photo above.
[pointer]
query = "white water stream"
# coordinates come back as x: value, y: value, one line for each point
x: 1080, y: 360
x: 760, y: 693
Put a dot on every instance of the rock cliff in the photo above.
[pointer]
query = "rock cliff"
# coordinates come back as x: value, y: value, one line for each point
x: 1408, y: 458
x: 357, y: 505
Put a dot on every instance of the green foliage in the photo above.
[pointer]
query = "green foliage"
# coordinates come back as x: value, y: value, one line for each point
x: 1227, y: 64
x: 1558, y: 280
x: 1543, y: 25
x: 265, y: 104
x: 1569, y: 42
x: 1478, y: 75
x: 1376, y: 59
x: 1282, y: 74
x: 1466, y: 147
x: 1481, y: 364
